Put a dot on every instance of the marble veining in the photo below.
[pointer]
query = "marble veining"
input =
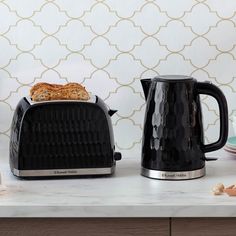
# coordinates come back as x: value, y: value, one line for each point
x: 126, y: 194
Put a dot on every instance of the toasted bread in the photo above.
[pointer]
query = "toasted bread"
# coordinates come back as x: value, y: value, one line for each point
x: 70, y: 91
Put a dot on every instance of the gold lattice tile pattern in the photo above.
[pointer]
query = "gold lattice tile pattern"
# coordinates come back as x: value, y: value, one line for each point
x: 108, y: 45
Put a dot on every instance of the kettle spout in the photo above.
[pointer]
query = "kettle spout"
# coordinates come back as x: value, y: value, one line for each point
x: 111, y: 112
x: 146, y: 85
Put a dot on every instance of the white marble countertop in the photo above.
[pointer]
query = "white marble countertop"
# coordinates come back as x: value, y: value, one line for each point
x: 126, y: 194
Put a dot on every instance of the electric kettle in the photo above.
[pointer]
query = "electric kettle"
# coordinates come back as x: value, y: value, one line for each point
x: 173, y: 137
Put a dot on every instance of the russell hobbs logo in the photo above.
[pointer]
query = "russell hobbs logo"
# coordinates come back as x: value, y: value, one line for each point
x: 173, y: 175
x: 63, y: 172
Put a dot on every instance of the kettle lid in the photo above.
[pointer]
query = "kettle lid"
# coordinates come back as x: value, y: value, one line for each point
x: 173, y: 78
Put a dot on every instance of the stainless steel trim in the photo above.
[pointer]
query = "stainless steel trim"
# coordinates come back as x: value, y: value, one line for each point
x: 173, y: 175
x: 63, y: 172
x: 92, y: 99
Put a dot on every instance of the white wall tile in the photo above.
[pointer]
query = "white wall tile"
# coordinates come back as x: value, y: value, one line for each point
x: 108, y: 45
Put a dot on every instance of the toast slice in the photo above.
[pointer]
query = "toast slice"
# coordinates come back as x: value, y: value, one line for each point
x: 70, y: 91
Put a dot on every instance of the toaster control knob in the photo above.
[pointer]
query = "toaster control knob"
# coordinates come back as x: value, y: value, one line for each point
x: 117, y: 156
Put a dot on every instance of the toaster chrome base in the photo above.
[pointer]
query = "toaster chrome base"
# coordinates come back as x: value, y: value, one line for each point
x: 64, y: 172
x: 173, y: 175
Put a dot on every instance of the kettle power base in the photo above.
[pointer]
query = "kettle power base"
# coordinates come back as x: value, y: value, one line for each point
x: 173, y: 175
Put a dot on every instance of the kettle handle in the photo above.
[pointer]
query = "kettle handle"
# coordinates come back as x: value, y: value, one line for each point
x: 209, y: 89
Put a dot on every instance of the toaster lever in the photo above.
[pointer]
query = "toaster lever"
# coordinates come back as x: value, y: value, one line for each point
x: 117, y: 156
x: 210, y: 159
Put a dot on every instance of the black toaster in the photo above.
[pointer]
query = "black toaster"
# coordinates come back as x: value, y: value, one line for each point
x: 62, y: 138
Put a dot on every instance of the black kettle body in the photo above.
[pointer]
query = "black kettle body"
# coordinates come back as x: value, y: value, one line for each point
x: 173, y: 137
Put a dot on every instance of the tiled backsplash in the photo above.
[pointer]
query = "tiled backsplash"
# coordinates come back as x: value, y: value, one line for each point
x: 109, y: 45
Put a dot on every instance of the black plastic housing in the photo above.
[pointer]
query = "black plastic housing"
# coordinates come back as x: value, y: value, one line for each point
x: 61, y: 135
x: 173, y: 135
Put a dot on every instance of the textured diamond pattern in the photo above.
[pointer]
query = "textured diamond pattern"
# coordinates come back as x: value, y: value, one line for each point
x: 109, y: 45
x: 173, y: 131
